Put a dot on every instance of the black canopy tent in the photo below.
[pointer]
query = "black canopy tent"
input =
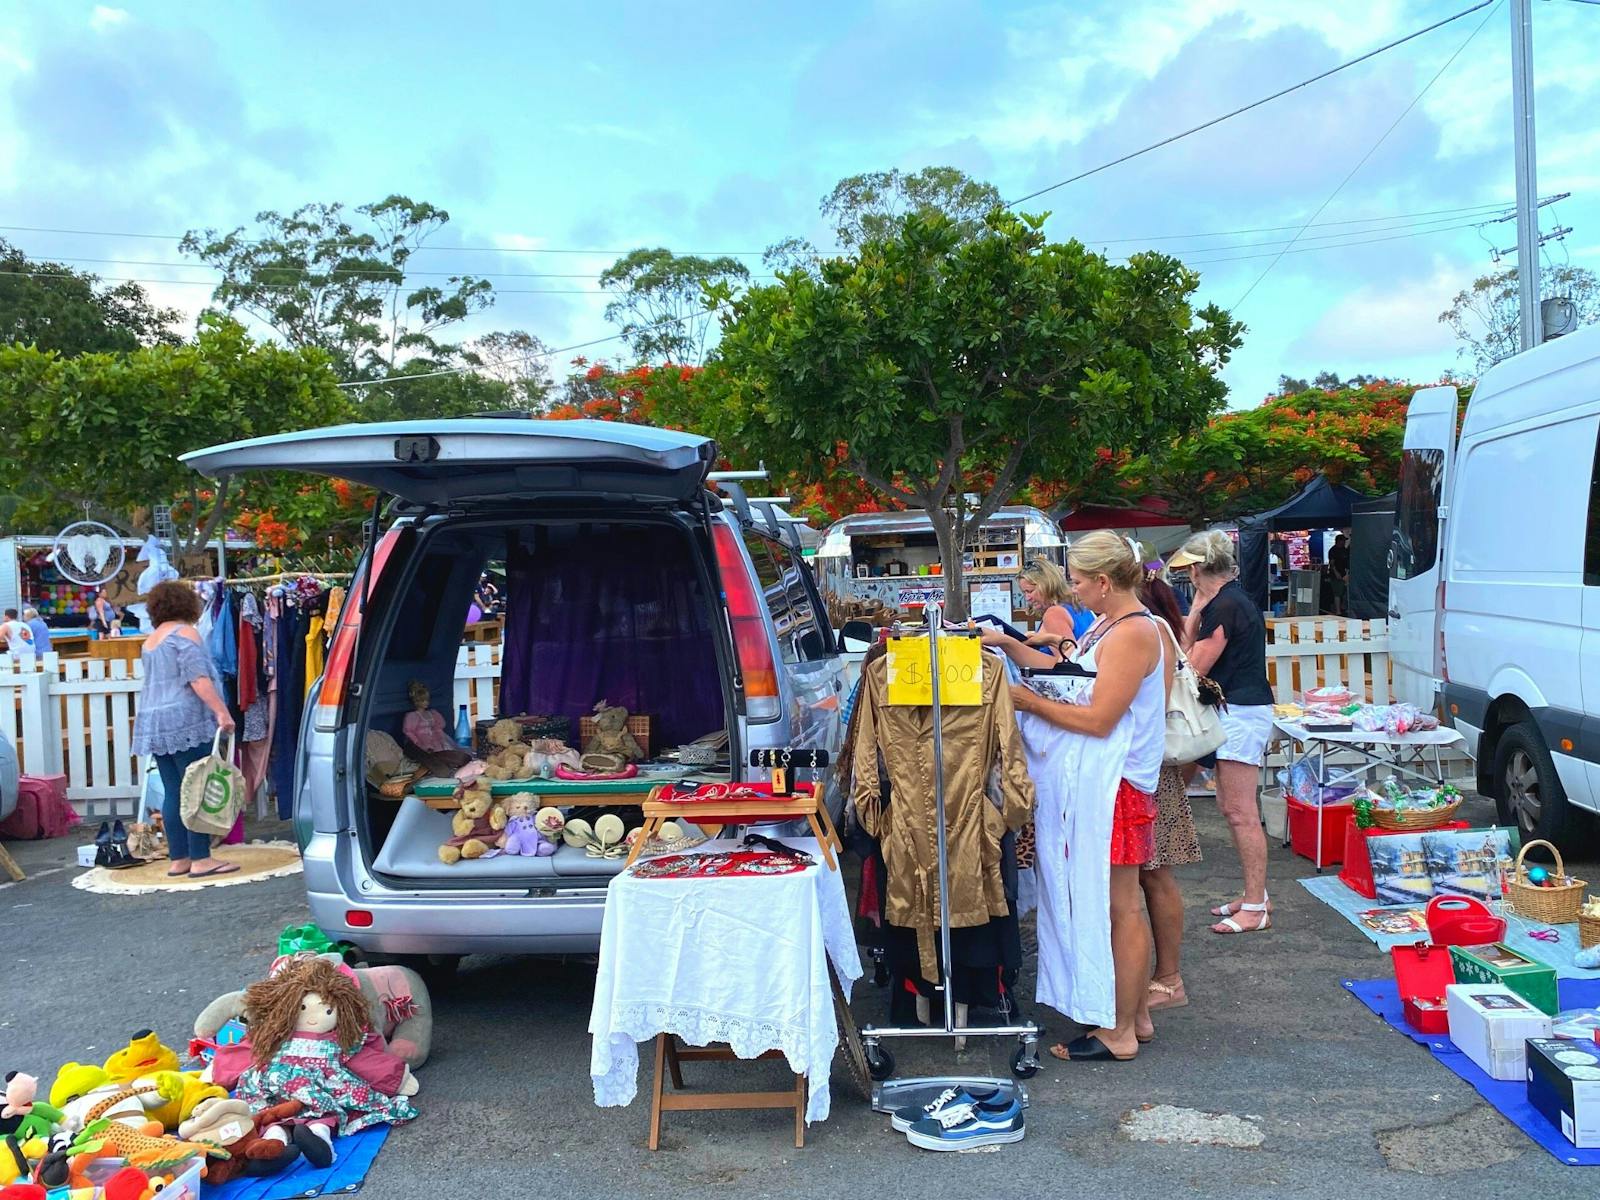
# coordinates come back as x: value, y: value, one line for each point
x: 1371, y: 531
x: 1318, y: 505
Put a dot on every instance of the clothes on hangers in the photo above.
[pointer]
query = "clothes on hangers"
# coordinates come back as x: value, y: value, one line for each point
x: 975, y: 739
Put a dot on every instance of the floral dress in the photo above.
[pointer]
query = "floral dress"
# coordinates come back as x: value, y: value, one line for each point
x: 309, y: 1069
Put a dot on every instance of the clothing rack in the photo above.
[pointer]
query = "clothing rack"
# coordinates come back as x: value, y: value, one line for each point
x: 893, y: 1095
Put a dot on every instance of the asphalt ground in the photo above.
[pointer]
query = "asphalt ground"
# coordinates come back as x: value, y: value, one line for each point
x: 1342, y: 1105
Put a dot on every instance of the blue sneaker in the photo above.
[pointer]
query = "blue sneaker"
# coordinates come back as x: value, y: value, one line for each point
x: 966, y: 1126
x: 905, y: 1118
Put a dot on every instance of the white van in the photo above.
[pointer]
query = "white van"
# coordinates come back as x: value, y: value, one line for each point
x: 1494, y: 592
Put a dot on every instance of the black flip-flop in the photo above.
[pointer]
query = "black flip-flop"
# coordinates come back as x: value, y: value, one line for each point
x: 1089, y: 1049
x: 177, y: 874
x: 224, y: 869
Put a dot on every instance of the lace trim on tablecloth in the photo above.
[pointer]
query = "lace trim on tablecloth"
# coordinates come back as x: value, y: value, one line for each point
x: 616, y: 1081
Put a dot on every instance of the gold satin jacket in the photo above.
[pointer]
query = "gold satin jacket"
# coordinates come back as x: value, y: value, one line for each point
x: 975, y: 740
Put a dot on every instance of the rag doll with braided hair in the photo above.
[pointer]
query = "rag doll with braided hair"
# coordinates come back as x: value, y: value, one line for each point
x: 302, y: 1021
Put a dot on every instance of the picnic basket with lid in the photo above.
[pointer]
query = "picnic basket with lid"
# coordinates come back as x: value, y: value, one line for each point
x: 1556, y: 904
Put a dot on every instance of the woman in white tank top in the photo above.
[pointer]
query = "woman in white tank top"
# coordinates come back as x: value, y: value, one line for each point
x: 1132, y: 673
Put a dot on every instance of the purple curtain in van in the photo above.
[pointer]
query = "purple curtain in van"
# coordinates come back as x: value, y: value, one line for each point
x: 610, y: 613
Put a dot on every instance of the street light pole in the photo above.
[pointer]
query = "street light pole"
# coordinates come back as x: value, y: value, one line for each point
x: 1527, y: 173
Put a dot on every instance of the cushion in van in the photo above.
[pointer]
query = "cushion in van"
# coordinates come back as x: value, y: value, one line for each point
x: 411, y: 851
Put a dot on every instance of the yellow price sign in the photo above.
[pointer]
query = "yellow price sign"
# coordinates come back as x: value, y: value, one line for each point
x: 960, y: 675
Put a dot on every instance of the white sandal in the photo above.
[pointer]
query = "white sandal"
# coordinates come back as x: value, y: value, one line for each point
x: 1229, y: 926
x: 1233, y: 906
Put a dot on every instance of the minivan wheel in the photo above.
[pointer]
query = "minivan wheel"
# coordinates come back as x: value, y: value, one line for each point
x: 1527, y: 789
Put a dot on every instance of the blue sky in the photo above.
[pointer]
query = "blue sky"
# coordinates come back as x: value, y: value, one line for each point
x: 718, y: 126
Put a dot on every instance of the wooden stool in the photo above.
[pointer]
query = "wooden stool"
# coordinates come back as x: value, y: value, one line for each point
x: 669, y: 1056
x: 741, y: 812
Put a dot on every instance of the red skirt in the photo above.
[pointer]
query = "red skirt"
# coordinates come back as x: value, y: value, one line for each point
x: 1133, y: 827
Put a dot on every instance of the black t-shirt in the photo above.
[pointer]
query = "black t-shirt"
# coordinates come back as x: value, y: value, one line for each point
x: 1339, y: 559
x: 1241, y: 671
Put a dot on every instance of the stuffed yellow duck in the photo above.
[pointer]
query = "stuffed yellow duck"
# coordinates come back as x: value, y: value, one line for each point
x: 143, y: 1060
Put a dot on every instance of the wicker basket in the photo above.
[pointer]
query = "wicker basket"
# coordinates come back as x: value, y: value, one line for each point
x: 1588, y: 930
x: 1554, y: 905
x: 1414, y: 819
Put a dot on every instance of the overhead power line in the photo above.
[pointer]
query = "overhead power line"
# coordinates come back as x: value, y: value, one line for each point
x: 1373, y: 149
x: 211, y: 283
x: 1167, y: 141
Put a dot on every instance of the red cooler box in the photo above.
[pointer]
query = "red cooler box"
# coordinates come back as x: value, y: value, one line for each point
x: 1422, y: 972
x: 1303, y: 820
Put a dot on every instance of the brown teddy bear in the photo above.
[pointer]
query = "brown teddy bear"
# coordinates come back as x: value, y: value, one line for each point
x: 611, y: 734
x: 476, y: 825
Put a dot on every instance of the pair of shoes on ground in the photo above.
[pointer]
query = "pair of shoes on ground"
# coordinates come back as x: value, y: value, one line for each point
x: 111, y: 848
x: 959, y: 1119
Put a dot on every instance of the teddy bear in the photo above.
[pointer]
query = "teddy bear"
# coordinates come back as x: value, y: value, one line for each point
x: 509, y: 763
x: 476, y: 825
x: 611, y: 734
x: 230, y: 1125
x: 397, y: 999
x: 521, y: 834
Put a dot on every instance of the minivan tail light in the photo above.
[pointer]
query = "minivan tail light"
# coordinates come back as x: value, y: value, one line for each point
x: 749, y: 629
x: 342, y: 651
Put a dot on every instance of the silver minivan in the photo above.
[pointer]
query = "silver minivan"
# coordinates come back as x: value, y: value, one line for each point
x: 627, y: 578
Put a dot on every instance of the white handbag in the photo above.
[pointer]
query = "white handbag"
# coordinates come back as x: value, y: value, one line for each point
x: 1194, y: 728
x: 212, y: 793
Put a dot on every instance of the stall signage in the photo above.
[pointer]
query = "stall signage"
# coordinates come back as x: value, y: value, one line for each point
x: 912, y: 597
x: 960, y: 675
x: 990, y: 599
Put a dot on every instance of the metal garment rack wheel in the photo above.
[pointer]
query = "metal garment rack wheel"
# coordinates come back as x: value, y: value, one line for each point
x: 902, y: 1093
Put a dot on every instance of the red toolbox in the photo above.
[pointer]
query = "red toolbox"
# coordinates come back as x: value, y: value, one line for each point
x: 1422, y: 972
x: 1303, y: 822
x: 1357, y: 871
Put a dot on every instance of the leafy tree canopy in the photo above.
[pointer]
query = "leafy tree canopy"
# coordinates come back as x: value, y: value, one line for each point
x: 55, y: 307
x: 659, y: 301
x: 1487, y: 317
x: 945, y: 369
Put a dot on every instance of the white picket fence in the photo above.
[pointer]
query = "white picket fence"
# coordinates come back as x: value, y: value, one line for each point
x: 74, y: 716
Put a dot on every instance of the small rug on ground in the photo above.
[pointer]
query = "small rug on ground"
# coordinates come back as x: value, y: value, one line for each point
x: 1508, y: 1097
x: 1337, y: 895
x: 257, y: 860
x: 348, y: 1173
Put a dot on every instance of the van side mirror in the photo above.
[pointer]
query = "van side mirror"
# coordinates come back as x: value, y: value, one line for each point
x: 857, y: 637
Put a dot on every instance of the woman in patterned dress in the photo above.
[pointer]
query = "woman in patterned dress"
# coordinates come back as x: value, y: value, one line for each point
x: 1176, y: 841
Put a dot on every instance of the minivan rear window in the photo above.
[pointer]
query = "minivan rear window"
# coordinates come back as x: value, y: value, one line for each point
x: 1416, y: 541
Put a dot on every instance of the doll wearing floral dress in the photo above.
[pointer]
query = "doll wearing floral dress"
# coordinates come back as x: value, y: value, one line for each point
x: 303, y: 1021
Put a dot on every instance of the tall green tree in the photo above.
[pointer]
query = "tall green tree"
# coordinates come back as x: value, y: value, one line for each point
x: 517, y: 359
x: 872, y: 205
x: 342, y: 281
x: 946, y: 369
x: 659, y: 301
x: 56, y: 307
x: 1487, y: 317
x: 104, y: 431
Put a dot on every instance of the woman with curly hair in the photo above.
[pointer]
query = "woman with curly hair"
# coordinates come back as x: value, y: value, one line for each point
x: 180, y: 710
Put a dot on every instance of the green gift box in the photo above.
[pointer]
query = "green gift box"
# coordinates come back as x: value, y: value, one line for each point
x: 1498, y: 963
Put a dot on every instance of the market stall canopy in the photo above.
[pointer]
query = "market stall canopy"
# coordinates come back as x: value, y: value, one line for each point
x: 1318, y: 505
x: 1371, y: 532
x: 1151, y: 522
x: 441, y: 462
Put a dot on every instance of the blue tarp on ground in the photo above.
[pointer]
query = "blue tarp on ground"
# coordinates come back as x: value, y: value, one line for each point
x: 1510, y: 1098
x: 348, y: 1173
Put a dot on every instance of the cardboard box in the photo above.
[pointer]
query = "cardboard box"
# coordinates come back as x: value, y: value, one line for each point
x: 1491, y: 1025
x: 1498, y: 963
x: 86, y: 856
x: 1564, y: 1085
x: 1422, y: 972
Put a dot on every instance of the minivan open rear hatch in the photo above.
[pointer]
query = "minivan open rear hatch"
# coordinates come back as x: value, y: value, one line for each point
x: 443, y: 463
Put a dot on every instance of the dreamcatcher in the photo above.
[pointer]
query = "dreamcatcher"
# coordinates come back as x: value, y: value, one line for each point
x: 88, y: 552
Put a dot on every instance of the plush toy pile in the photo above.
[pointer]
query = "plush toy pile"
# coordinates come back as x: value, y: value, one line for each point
x: 315, y: 1050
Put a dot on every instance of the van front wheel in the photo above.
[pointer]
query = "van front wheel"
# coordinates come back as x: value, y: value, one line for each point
x: 1527, y: 789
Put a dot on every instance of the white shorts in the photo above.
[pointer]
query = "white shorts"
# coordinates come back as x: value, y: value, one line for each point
x: 1249, y: 728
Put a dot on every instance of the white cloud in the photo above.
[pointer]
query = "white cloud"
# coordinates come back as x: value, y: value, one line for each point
x: 1384, y: 322
x: 105, y: 17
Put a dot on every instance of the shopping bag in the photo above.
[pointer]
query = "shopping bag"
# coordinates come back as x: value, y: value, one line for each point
x: 213, y: 791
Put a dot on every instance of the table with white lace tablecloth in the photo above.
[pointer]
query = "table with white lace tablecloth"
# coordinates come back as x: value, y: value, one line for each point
x: 741, y: 960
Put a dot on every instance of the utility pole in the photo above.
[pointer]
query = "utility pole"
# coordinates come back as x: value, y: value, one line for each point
x: 1527, y: 173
